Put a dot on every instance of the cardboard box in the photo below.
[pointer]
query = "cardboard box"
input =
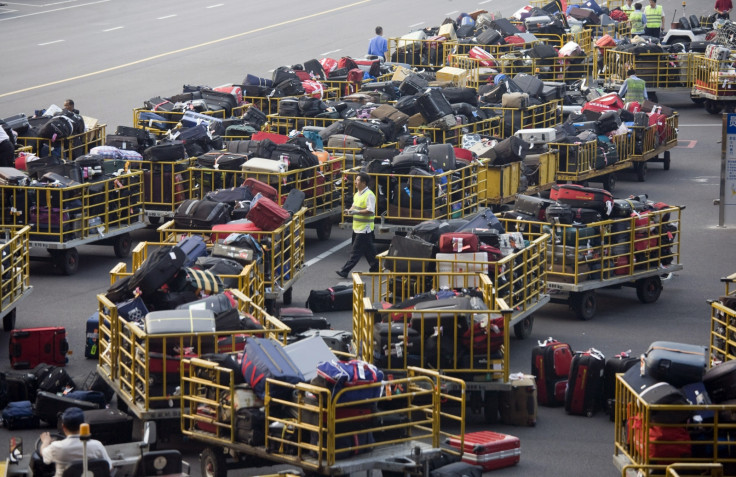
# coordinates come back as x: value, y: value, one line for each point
x: 448, y: 31
x: 400, y: 73
x: 458, y: 76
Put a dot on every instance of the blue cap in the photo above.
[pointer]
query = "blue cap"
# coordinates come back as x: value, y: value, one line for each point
x: 499, y: 77
x: 72, y: 418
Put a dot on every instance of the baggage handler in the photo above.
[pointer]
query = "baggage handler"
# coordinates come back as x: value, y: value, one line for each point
x: 363, y: 212
x: 723, y: 9
x: 69, y: 450
x: 654, y: 19
x: 69, y: 106
x: 378, y: 45
x: 636, y: 18
x: 7, y: 151
x: 634, y: 88
x: 628, y: 7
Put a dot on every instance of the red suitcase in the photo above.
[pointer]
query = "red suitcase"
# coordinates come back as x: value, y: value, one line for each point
x: 276, y: 138
x: 458, y: 242
x: 267, y: 214
x: 264, y: 189
x: 244, y: 227
x: 32, y: 346
x: 577, y: 196
x: 490, y: 450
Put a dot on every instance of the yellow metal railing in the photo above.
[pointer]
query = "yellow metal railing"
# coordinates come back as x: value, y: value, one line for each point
x: 15, y: 268
x: 659, y: 70
x: 69, y: 147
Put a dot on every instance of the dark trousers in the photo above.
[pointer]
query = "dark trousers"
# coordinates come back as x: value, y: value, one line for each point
x: 362, y: 247
x: 655, y: 32
x: 7, y: 154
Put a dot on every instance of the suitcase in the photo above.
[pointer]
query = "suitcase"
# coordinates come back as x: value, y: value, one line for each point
x: 201, y: 214
x: 258, y: 187
x: 531, y: 205
x: 222, y: 161
x: 490, y: 450
x: 158, y: 268
x: 408, y: 247
x: 676, y: 363
x: 270, y: 166
x: 584, y: 15
x: 529, y: 84
x: 267, y: 215
x: 91, y: 334
x: 180, y: 321
x: 433, y: 105
x: 511, y: 149
x: 344, y: 141
x: 31, y: 346
x: 294, y: 201
x: 302, y: 319
x: 365, y: 132
x: 49, y: 406
x: 217, y: 304
x: 551, y: 367
x: 193, y: 247
x: 21, y: 386
x: 518, y: 406
x: 11, y: 176
x: 336, y: 340
x: 458, y: 242
x: 19, y: 415
x: 461, y: 469
x: 577, y: 196
x: 336, y: 298
x: 241, y: 255
x: 404, y: 343
x: 613, y: 366
x: 585, y: 383
x: 720, y: 382
x: 483, y: 220
x: 55, y: 380
x: 666, y: 394
x: 585, y: 216
x: 489, y: 36
x: 537, y: 136
x: 442, y: 157
x: 166, y: 152
x: 413, y: 84
x: 265, y: 358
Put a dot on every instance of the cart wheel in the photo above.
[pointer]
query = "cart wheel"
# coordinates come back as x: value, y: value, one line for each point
x: 324, y: 229
x: 697, y: 100
x: 9, y: 321
x: 584, y: 304
x: 286, y: 298
x: 122, y: 245
x: 523, y: 329
x: 648, y: 289
x: 67, y: 260
x: 154, y: 220
x: 212, y: 463
x: 641, y: 171
x: 490, y: 407
x: 609, y: 182
x: 666, y: 162
x: 713, y: 107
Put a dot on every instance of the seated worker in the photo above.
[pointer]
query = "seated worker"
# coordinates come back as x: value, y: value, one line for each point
x: 69, y: 106
x: 66, y: 451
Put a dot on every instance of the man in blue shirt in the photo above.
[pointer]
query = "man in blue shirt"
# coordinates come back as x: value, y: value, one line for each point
x: 378, y: 45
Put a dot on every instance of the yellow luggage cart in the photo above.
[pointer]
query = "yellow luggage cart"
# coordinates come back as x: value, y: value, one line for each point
x: 70, y: 147
x: 661, y: 71
x: 424, y: 416
x: 638, y: 424
x: 282, y: 263
x: 448, y: 195
x: 579, y: 162
x: 723, y: 323
x: 63, y: 218
x: 714, y: 84
x: 165, y: 186
x: 654, y: 143
x: 319, y: 184
x: 545, y: 115
x: 170, y: 119
x: 15, y: 274
x: 635, y: 252
x: 503, y: 182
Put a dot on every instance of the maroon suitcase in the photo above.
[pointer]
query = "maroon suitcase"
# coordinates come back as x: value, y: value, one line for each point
x: 450, y: 242
x: 264, y: 189
x: 267, y: 214
x: 32, y: 346
x: 551, y: 366
x: 585, y: 383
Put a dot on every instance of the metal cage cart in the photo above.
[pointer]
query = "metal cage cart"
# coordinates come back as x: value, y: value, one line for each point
x: 15, y: 253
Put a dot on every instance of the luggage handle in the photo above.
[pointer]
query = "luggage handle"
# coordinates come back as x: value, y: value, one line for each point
x: 664, y: 348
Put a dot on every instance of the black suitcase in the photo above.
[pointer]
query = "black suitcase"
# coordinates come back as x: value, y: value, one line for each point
x: 18, y: 123
x: 529, y: 84
x: 367, y: 133
x: 145, y: 139
x: 613, y: 366
x: 543, y: 50
x: 314, y: 68
x: 484, y: 219
x: 220, y: 100
x: 389, y: 89
x: 409, y: 247
x: 505, y: 27
x: 20, y: 385
x: 461, y: 95
x: 222, y: 161
x: 489, y: 36
x: 585, y: 383
x: 201, y: 214
x: 433, y: 105
x: 56, y: 381
x: 404, y: 342
x: 676, y: 363
x: 302, y: 319
x: 720, y: 382
x: 413, y: 84
x: 511, y: 149
x: 442, y: 157
x: 123, y: 142
x: 336, y: 298
x: 458, y: 469
x: 109, y: 426
x: 165, y: 152
x: 370, y: 153
x: 407, y: 104
x: 664, y: 393
x: 607, y: 122
x: 532, y: 205
x: 294, y: 201
x: 403, y: 163
x: 158, y: 268
x: 585, y: 216
x: 49, y: 406
x: 699, y: 46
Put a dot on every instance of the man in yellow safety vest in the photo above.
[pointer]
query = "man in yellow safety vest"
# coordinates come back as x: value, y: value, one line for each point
x: 628, y: 7
x: 363, y: 213
x: 636, y: 18
x: 654, y: 18
x: 634, y: 88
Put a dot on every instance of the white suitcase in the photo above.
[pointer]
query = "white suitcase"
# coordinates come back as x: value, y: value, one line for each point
x: 537, y: 136
x: 260, y: 164
x: 570, y: 49
x: 412, y: 38
x: 453, y: 268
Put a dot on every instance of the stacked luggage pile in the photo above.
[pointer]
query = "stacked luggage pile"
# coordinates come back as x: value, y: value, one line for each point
x: 714, y: 78
x: 723, y: 321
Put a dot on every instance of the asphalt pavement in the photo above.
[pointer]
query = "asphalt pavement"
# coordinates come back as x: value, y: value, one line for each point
x: 111, y: 55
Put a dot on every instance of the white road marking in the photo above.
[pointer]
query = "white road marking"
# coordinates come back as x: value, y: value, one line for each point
x: 114, y: 28
x: 451, y: 13
x: 328, y: 52
x: 166, y: 16
x: 700, y: 125
x: 416, y: 24
x: 327, y: 253
x: 484, y: 1
x: 54, y: 10
x: 50, y: 42
x: 40, y: 6
x: 5, y: 10
x: 215, y: 6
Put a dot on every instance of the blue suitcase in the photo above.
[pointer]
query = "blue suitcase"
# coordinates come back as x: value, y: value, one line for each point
x: 19, y: 415
x: 194, y: 247
x: 190, y: 118
x: 265, y: 358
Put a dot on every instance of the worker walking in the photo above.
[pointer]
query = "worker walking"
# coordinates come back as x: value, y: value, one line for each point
x: 634, y: 88
x: 378, y: 45
x: 654, y: 19
x: 363, y: 213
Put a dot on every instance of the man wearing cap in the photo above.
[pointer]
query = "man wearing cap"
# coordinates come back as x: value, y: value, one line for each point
x: 65, y: 452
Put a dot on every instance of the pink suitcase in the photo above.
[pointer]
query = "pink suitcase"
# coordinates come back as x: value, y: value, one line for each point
x: 490, y: 450
x: 267, y: 214
x: 221, y: 231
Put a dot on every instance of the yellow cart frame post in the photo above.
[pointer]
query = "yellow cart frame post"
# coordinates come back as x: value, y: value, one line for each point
x: 16, y: 274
